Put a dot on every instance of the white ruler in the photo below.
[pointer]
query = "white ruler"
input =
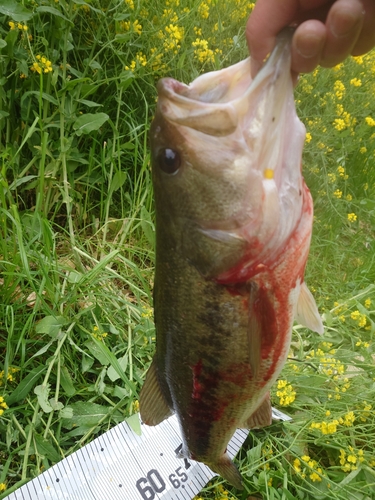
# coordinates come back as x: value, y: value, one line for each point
x: 120, y: 465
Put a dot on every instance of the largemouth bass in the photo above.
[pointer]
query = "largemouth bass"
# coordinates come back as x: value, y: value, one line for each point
x: 233, y: 227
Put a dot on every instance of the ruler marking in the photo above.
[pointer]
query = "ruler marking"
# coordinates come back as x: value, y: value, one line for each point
x: 120, y: 465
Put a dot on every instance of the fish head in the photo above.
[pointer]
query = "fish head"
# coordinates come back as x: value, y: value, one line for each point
x: 226, y: 155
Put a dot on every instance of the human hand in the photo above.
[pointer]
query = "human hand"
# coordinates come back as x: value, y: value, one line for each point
x: 328, y: 30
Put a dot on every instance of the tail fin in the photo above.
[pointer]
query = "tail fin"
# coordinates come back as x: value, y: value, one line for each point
x: 226, y: 468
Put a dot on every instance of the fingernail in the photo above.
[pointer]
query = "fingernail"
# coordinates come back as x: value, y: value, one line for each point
x: 344, y: 23
x: 308, y: 46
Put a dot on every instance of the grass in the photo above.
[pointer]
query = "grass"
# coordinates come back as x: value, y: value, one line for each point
x: 76, y: 247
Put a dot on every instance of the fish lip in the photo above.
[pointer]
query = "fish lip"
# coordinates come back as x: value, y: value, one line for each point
x: 220, y: 103
x: 194, y: 92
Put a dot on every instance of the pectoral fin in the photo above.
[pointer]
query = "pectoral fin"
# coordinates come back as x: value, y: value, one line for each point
x: 153, y: 404
x: 307, y: 312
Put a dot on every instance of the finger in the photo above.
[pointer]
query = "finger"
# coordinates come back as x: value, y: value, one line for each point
x: 269, y: 17
x: 344, y: 24
x: 307, y: 46
x: 262, y: 28
x: 366, y: 39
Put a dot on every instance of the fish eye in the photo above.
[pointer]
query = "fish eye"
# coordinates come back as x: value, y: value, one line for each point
x: 169, y: 161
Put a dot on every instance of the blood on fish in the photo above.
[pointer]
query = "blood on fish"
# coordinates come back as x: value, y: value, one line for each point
x: 198, y: 388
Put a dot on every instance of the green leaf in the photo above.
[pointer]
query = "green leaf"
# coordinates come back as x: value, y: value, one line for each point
x: 89, y: 122
x: 87, y: 362
x: 42, y: 392
x: 66, y: 412
x: 82, y: 2
x: 66, y: 382
x: 50, y: 325
x: 118, y: 181
x: 120, y: 392
x: 254, y: 454
x: 54, y: 12
x: 56, y: 405
x: 45, y: 96
x: 74, y: 277
x: 349, y: 478
x: 111, y: 359
x: 25, y: 386
x: 134, y: 423
x: 43, y: 349
x: 148, y: 226
x: 120, y: 17
x: 85, y: 414
x: 112, y: 373
x: 96, y: 350
x: 126, y: 79
x: 18, y: 182
x: 14, y: 10
x: 2, y: 43
x: 45, y: 448
x: 288, y: 495
x: 90, y: 104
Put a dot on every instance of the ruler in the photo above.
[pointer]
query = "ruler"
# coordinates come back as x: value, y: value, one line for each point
x: 120, y: 465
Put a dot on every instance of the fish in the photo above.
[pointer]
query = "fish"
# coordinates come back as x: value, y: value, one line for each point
x: 233, y: 220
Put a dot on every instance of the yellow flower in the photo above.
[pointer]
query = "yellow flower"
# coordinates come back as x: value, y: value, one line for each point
x: 137, y: 27
x: 12, y: 25
x: 315, y: 477
x: 202, y: 52
x: 308, y: 137
x: 356, y: 82
x: 339, y: 89
x: 287, y: 395
x: 338, y: 67
x: 368, y: 303
x: 337, y: 193
x: 204, y: 10
x: 297, y: 465
x: 339, y: 124
x: 363, y: 150
x: 349, y: 419
x: 349, y: 197
x: 358, y: 59
x: 352, y: 217
x: 370, y: 121
x: 41, y: 65
x: 3, y: 487
x: 3, y: 405
x: 174, y: 37
x: 355, y: 315
x: 130, y: 3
